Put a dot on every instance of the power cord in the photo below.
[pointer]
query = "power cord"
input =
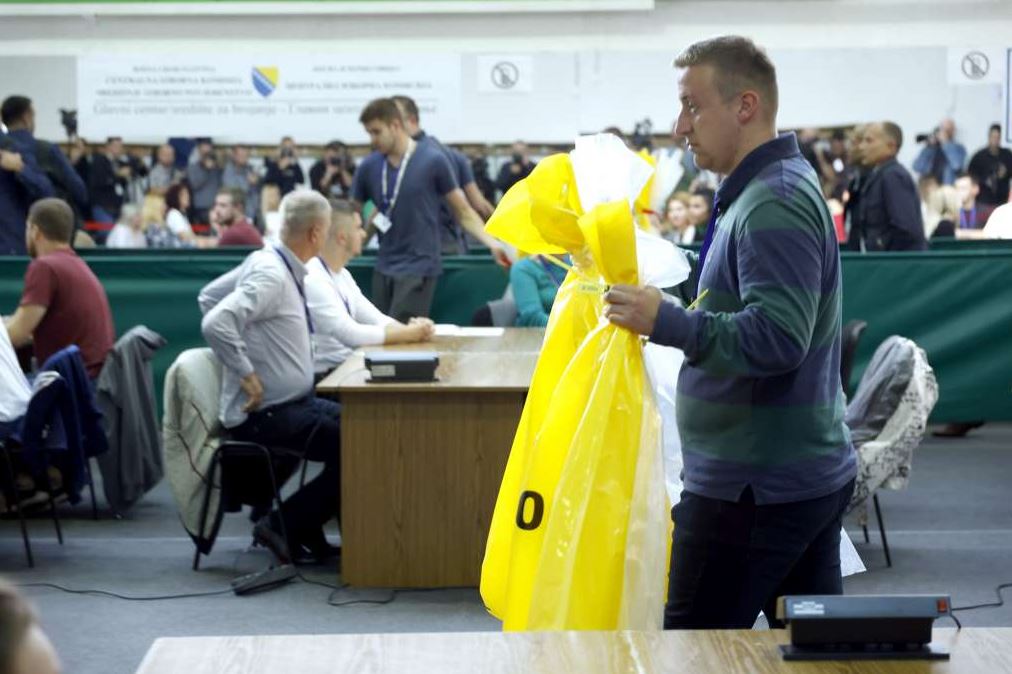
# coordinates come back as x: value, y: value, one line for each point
x: 390, y: 598
x: 106, y: 593
x: 995, y: 604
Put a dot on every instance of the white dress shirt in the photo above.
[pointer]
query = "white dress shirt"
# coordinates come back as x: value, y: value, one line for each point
x: 14, y: 389
x: 344, y: 318
x: 255, y: 320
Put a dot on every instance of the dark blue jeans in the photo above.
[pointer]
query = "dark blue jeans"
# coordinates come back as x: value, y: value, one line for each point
x: 311, y: 428
x: 731, y: 560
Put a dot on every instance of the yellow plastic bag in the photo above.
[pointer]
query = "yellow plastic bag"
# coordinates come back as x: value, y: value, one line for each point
x: 579, y: 536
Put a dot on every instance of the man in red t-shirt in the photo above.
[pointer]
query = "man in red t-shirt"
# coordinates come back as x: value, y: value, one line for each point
x: 63, y: 302
x: 229, y: 216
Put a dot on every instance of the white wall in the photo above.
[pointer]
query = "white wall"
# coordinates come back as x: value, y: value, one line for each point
x: 839, y: 61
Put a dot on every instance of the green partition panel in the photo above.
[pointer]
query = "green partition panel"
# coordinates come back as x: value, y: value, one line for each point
x: 956, y: 304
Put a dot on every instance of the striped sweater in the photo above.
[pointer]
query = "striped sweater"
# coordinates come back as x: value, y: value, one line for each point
x: 759, y: 398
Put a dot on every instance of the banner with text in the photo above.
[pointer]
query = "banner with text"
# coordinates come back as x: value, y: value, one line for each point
x: 259, y: 98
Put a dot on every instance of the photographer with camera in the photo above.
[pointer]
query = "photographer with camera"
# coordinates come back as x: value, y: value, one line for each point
x: 109, y: 175
x: 205, y: 177
x: 941, y: 156
x: 285, y: 171
x: 516, y: 169
x: 242, y: 176
x: 331, y: 175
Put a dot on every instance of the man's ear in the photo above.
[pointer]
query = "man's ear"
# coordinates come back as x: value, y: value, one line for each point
x: 748, y: 106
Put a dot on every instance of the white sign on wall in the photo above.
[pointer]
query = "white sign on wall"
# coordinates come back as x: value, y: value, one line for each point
x: 505, y: 74
x: 976, y: 65
x: 258, y: 98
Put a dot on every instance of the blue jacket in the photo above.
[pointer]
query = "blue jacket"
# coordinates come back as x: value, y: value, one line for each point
x: 888, y: 213
x: 19, y: 190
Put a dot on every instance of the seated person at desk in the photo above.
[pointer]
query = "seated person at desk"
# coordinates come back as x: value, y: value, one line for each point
x: 63, y: 302
x: 535, y: 282
x: 343, y: 318
x: 258, y: 324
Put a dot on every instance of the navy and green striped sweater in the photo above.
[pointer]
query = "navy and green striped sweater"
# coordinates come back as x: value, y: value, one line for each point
x: 759, y: 398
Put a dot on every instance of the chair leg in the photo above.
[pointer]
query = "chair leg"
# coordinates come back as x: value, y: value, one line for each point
x: 302, y: 480
x: 882, y: 531
x: 864, y: 528
x: 277, y: 496
x: 52, y: 504
x: 91, y: 487
x: 21, y: 511
x: 205, y: 506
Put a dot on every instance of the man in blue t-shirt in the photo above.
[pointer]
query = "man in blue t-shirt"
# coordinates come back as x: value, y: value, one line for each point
x: 454, y: 242
x: 408, y: 181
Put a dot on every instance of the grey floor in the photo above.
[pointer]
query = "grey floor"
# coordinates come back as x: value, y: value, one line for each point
x: 951, y: 531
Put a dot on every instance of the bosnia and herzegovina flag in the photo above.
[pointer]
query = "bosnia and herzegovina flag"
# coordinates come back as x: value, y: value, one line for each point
x: 265, y: 79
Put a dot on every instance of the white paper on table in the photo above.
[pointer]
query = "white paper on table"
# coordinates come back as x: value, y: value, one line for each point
x: 447, y: 330
x: 482, y: 332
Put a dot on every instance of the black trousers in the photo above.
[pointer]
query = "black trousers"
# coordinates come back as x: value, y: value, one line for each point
x: 731, y: 560
x: 403, y: 297
x: 310, y: 427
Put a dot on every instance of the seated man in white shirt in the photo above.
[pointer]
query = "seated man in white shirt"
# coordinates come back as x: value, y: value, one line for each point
x: 343, y: 317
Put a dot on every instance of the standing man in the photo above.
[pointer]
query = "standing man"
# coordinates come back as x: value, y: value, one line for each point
x: 941, y: 156
x: 108, y: 180
x: 407, y: 181
x: 769, y: 465
x: 454, y: 242
x: 22, y: 180
x: 258, y: 324
x: 518, y: 167
x: 242, y: 176
x: 63, y: 302
x: 204, y: 175
x: 332, y: 174
x: 285, y: 171
x: 992, y: 167
x: 164, y: 173
x: 888, y: 214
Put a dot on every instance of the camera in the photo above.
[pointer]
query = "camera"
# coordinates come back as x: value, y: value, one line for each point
x: 68, y: 118
x: 931, y: 138
x: 287, y: 153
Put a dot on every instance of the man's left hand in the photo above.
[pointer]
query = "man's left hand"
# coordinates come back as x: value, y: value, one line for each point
x: 633, y: 307
x: 500, y: 256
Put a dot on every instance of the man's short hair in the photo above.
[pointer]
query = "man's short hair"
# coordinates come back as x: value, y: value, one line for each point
x: 16, y: 618
x: 408, y: 106
x: 381, y: 109
x: 893, y: 131
x: 54, y: 218
x: 300, y: 211
x: 995, y: 127
x: 335, y: 146
x: 238, y: 196
x: 738, y: 64
x: 342, y: 214
x: 14, y: 108
x: 964, y: 174
x: 706, y: 193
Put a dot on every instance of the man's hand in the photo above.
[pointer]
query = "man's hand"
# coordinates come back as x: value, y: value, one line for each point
x: 422, y: 329
x: 633, y: 307
x: 254, y: 390
x: 501, y: 258
x: 11, y: 161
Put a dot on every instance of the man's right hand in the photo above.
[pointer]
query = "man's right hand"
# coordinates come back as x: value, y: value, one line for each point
x: 254, y: 390
x: 11, y: 161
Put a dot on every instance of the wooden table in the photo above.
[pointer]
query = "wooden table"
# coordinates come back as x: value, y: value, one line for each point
x: 974, y: 651
x: 421, y: 463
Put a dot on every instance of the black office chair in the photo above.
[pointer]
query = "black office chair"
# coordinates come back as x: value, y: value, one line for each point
x: 851, y: 336
x: 248, y: 475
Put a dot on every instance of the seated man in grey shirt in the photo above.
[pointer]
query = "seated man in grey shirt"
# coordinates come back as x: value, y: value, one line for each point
x: 257, y: 322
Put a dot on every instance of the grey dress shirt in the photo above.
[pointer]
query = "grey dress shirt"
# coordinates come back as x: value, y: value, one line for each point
x: 255, y: 321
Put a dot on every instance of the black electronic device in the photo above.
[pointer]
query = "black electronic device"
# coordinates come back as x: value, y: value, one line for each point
x: 259, y: 581
x: 401, y: 366
x: 862, y: 627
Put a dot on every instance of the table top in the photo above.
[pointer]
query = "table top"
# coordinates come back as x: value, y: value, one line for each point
x: 974, y: 650
x: 497, y: 363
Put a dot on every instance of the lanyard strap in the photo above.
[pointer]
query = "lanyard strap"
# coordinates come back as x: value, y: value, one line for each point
x: 707, y: 240
x: 298, y: 286
x: 968, y: 222
x: 391, y: 200
x: 347, y: 304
